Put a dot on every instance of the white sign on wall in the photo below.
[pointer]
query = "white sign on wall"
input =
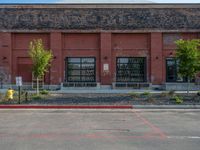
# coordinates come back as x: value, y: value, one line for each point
x: 105, y: 67
x: 19, y: 81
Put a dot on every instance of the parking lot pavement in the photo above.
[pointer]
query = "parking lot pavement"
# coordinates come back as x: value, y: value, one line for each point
x: 99, y: 130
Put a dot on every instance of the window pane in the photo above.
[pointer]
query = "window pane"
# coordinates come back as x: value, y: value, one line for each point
x: 74, y: 72
x: 87, y: 72
x: 73, y: 60
x: 74, y: 78
x: 74, y: 66
x: 122, y: 60
x: 87, y: 78
x: 87, y: 60
x: 88, y: 66
x: 122, y: 66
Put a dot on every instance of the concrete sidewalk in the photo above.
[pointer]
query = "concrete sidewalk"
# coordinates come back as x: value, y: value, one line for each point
x: 113, y: 91
x: 109, y: 91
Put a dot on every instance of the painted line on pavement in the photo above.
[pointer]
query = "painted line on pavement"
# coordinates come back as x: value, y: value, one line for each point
x: 152, y: 126
x: 183, y: 137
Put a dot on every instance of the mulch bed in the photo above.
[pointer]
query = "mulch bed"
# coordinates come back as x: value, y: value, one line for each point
x: 111, y: 99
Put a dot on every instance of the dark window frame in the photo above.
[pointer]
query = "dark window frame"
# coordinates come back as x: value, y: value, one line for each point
x: 184, y: 79
x: 81, y: 64
x: 144, y: 67
x: 167, y: 70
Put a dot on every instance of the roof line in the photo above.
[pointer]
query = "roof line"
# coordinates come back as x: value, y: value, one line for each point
x: 100, y: 3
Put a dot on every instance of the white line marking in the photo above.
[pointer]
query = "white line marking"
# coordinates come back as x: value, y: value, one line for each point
x: 183, y: 137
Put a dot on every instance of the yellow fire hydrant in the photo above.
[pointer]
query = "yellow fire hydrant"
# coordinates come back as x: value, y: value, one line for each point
x: 9, y: 94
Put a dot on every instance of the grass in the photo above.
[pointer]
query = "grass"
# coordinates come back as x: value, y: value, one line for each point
x: 146, y: 94
x: 36, y: 97
x: 44, y: 92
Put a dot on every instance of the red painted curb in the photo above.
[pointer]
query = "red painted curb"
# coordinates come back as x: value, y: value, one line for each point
x: 64, y: 107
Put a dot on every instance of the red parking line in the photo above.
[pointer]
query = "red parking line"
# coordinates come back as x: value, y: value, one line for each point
x: 153, y: 127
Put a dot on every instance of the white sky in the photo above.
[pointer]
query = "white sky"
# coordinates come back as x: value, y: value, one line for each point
x: 128, y: 1
x: 177, y: 1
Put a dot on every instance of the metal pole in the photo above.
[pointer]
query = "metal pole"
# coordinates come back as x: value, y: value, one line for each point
x: 26, y: 96
x: 19, y: 95
x: 1, y: 82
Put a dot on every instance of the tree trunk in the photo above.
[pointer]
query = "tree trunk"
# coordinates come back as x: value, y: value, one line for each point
x: 188, y: 86
x: 37, y: 88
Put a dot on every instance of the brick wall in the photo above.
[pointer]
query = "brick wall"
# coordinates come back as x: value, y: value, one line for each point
x: 101, y: 31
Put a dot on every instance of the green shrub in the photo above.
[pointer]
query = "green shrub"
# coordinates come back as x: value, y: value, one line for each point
x: 44, y: 92
x: 36, y: 97
x: 146, y: 94
x: 178, y: 99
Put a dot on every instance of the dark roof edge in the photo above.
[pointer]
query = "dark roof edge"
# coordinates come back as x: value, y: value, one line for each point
x: 100, y: 5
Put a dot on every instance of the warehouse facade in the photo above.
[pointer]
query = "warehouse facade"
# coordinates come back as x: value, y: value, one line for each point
x: 97, y: 44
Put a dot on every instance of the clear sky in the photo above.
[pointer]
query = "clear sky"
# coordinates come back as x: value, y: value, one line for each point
x: 97, y: 1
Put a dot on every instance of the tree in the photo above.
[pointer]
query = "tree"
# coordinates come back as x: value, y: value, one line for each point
x: 41, y: 59
x: 188, y: 57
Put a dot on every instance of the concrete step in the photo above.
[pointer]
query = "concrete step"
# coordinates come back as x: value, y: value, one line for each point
x: 105, y: 86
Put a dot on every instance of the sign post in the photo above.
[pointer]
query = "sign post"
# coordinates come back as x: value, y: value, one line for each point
x: 19, y: 84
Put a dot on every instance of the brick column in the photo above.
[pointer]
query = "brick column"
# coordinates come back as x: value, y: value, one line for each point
x: 105, y: 59
x: 156, y: 59
x: 6, y: 55
x: 56, y: 66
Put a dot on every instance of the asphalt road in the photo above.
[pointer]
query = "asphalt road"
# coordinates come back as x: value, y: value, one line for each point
x: 99, y: 130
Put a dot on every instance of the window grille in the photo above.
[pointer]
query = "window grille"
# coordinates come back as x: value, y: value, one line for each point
x: 80, y: 69
x: 131, y: 69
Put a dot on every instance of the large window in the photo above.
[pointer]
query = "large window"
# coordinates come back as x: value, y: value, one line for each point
x: 80, y: 69
x: 172, y: 71
x: 131, y: 69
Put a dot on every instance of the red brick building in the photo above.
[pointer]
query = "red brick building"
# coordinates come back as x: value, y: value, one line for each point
x: 127, y: 44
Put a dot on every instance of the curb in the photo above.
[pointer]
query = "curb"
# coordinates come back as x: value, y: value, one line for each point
x: 65, y: 107
x: 99, y: 106
x: 166, y: 106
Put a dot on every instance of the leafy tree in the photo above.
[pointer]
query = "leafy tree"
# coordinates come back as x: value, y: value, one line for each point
x: 188, y: 57
x: 41, y: 59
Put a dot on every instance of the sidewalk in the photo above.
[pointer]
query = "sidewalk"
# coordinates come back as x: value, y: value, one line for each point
x: 109, y: 91
x: 115, y: 91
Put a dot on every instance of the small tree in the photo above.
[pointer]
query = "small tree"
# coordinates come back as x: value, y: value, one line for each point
x: 41, y: 59
x: 188, y: 57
